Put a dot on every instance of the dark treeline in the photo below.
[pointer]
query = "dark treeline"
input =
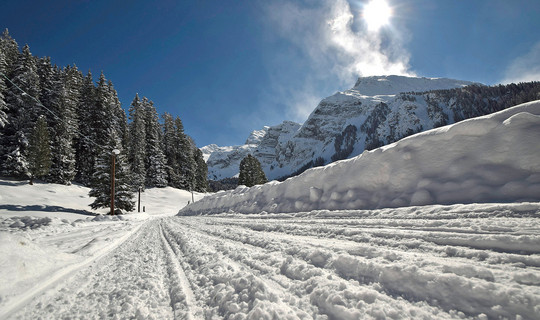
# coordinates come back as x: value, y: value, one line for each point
x: 84, y: 123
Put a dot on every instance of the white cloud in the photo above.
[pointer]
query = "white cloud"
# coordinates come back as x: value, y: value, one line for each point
x: 335, y: 47
x: 525, y: 68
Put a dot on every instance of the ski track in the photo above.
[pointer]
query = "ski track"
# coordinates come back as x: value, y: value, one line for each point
x: 238, y: 267
x: 180, y: 287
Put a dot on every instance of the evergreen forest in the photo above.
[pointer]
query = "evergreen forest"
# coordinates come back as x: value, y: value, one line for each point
x: 59, y: 125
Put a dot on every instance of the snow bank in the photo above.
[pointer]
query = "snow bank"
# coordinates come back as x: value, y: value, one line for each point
x: 494, y: 158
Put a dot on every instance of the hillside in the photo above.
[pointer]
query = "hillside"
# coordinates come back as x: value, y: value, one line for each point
x: 375, y: 112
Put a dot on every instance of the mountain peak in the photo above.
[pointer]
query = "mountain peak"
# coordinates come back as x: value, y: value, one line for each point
x: 391, y: 85
x: 256, y: 136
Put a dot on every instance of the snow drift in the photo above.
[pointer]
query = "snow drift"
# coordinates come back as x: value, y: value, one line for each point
x: 493, y: 158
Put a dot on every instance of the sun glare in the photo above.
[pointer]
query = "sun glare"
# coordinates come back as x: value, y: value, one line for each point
x: 377, y: 14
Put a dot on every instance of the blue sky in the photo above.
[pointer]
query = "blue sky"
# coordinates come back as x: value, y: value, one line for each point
x: 230, y: 67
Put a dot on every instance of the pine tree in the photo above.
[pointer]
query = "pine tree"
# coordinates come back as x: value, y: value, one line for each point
x: 39, y: 150
x: 101, y: 180
x: 110, y: 130
x: 3, y: 92
x: 65, y: 97
x: 9, y: 52
x: 251, y: 172
x: 186, y: 163
x: 86, y: 149
x: 45, y: 72
x: 170, y: 148
x: 104, y: 116
x: 23, y: 109
x: 10, y: 48
x: 201, y: 172
x: 119, y: 117
x: 137, y: 145
x: 156, y: 173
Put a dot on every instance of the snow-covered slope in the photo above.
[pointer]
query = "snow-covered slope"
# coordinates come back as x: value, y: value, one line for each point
x: 491, y: 158
x: 370, y: 114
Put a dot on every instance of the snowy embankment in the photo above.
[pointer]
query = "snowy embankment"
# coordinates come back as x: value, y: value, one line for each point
x: 47, y: 232
x: 494, y: 158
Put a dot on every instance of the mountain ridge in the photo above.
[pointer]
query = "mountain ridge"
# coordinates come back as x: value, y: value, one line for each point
x: 347, y: 123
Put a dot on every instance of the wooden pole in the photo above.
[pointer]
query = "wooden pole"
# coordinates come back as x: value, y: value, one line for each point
x: 139, y: 206
x: 112, y: 184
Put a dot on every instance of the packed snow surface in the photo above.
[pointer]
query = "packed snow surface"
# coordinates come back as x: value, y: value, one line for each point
x: 485, y: 159
x: 478, y: 261
x: 47, y: 232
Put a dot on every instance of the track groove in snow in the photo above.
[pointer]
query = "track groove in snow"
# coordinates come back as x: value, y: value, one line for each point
x: 129, y: 282
x: 66, y: 272
x: 180, y: 287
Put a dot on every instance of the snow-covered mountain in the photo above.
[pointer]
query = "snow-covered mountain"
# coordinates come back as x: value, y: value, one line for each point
x: 493, y: 158
x: 265, y: 145
x: 377, y: 111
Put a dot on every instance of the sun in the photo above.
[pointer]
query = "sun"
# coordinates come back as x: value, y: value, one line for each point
x: 377, y: 13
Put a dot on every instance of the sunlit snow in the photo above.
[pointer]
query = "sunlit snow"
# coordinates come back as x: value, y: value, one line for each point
x: 293, y: 256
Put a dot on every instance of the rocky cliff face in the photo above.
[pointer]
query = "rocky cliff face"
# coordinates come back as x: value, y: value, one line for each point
x: 375, y: 112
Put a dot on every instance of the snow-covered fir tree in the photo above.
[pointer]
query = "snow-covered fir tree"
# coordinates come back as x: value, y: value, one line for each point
x: 101, y: 180
x: 3, y: 91
x: 65, y: 124
x: 119, y: 118
x: 45, y: 73
x: 251, y: 172
x: 39, y: 150
x: 137, y: 142
x: 104, y: 115
x: 9, y: 51
x: 10, y: 48
x: 59, y: 94
x: 170, y: 148
x: 156, y: 173
x: 23, y: 109
x: 186, y: 162
x: 86, y: 148
x: 201, y: 171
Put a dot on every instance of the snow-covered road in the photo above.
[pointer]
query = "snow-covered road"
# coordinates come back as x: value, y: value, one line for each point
x: 433, y: 262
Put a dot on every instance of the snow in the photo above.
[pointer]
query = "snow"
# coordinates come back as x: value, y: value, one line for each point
x: 392, y: 84
x: 257, y: 135
x: 48, y: 231
x: 58, y: 259
x: 485, y: 159
x: 434, y: 262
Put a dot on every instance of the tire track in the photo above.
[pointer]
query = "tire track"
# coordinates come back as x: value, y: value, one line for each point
x: 297, y: 272
x: 255, y: 294
x: 180, y: 287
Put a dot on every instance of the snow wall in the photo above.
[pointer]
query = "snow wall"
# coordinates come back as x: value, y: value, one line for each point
x: 494, y: 158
